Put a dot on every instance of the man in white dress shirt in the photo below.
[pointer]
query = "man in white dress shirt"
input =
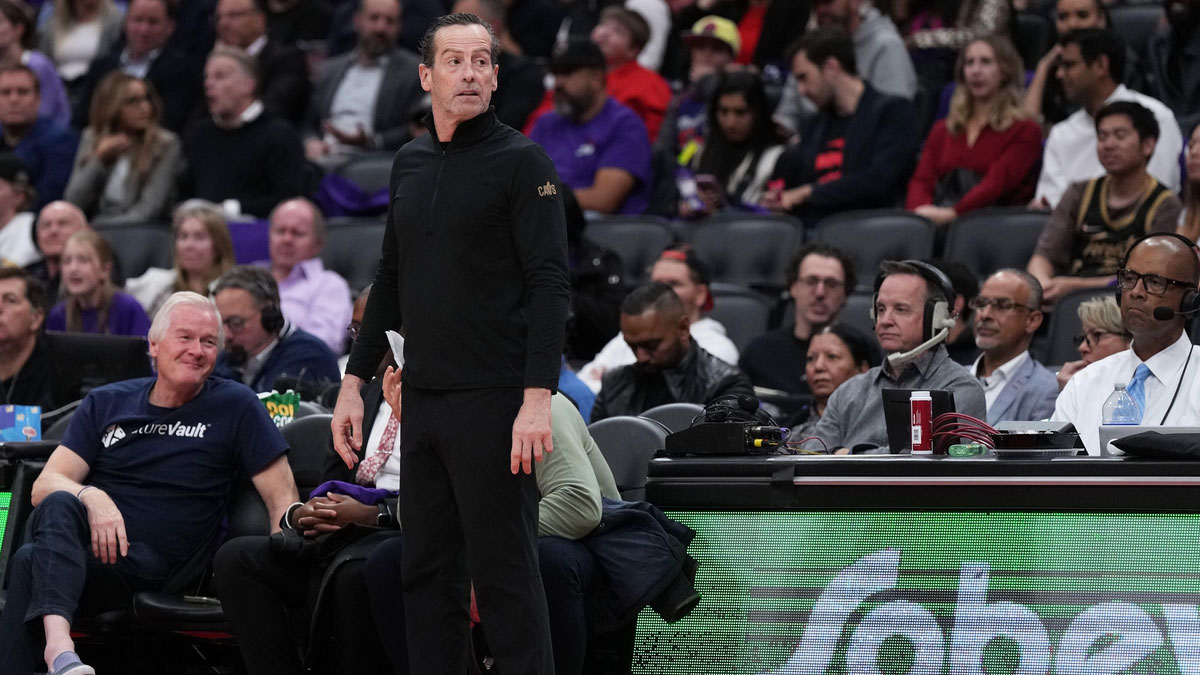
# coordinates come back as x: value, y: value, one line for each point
x: 1160, y: 369
x: 1091, y: 69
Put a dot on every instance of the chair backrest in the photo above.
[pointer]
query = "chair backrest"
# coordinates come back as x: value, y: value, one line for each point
x: 353, y: 252
x: 744, y: 313
x: 872, y: 236
x: 992, y: 239
x: 628, y: 444
x: 638, y: 240
x: 57, y: 430
x: 370, y: 172
x: 747, y: 248
x: 1031, y: 37
x: 1065, y: 324
x: 309, y: 438
x: 674, y: 416
x: 307, y: 408
x: 137, y: 248
x: 1136, y: 24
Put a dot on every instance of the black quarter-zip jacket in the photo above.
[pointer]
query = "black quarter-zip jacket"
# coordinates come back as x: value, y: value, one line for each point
x: 474, y: 263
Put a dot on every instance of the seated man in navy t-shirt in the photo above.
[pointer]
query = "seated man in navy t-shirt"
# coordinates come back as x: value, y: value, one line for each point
x: 134, y: 496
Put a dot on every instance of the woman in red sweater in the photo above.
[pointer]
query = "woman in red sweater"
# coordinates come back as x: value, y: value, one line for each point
x: 987, y: 149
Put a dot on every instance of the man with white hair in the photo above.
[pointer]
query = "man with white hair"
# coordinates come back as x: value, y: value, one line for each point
x: 134, y: 496
x: 242, y: 157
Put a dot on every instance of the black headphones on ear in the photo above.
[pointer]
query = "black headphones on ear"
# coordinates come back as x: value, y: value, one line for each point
x: 937, y: 311
x: 1190, y: 300
x: 272, y: 318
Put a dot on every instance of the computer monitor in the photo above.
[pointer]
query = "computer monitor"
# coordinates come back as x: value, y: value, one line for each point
x: 80, y: 362
x: 896, y: 414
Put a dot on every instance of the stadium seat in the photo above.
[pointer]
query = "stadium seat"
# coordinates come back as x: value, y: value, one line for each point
x: 638, y: 240
x: 371, y: 172
x: 1137, y: 23
x: 1065, y: 325
x: 748, y: 249
x: 744, y: 313
x: 992, y: 239
x: 353, y: 252
x: 137, y: 248
x: 872, y: 236
x: 674, y: 416
x: 1031, y: 34
x: 628, y: 444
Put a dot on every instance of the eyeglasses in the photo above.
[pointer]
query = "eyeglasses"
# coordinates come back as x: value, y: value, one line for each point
x: 1154, y: 284
x: 1001, y: 304
x: 353, y: 329
x: 1091, y: 337
x: 234, y: 323
x: 831, y: 284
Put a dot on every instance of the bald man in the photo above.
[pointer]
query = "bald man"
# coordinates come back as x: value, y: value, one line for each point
x: 1161, y: 367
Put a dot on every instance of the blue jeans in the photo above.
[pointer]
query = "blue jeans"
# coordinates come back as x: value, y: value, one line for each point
x: 57, y: 574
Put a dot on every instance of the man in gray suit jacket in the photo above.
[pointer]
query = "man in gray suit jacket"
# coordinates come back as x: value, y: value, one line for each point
x: 1007, y: 314
x: 361, y: 99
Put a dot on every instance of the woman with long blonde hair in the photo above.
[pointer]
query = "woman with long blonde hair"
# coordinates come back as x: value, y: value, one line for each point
x: 90, y: 301
x: 126, y: 165
x: 203, y: 251
x: 984, y: 153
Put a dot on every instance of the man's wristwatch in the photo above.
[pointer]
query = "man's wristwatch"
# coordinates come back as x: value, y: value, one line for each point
x: 384, y: 519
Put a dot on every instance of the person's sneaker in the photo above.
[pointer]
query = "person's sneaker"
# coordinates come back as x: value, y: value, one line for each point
x: 68, y: 663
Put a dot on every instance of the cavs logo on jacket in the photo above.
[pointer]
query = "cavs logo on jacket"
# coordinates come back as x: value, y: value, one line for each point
x: 547, y: 190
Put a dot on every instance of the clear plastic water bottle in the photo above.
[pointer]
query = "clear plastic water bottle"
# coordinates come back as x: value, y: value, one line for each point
x: 1120, y: 408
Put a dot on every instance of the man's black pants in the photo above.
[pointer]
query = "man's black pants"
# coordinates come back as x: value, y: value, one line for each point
x: 467, y: 518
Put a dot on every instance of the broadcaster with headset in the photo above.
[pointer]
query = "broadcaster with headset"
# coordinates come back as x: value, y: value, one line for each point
x: 912, y: 318
x: 1156, y: 290
x: 260, y: 345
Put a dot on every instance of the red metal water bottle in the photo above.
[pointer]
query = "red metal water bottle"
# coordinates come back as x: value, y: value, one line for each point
x: 920, y: 411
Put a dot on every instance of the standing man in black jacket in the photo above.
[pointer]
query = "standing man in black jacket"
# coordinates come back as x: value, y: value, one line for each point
x: 474, y: 263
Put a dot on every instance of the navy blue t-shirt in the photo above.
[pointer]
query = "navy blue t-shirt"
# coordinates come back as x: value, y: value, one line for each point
x: 170, y: 470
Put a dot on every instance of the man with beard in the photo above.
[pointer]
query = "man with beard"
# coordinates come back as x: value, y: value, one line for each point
x: 261, y: 346
x: 1007, y: 314
x: 599, y: 146
x: 1161, y: 367
x: 361, y: 99
x: 669, y: 368
x: 1173, y: 60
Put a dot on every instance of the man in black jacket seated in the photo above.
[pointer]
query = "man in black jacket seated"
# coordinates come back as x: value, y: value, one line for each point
x: 858, y: 152
x: 669, y: 368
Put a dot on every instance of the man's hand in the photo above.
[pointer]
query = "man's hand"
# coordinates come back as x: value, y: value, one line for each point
x: 357, y: 139
x: 347, y: 420
x: 391, y: 390
x: 331, y: 513
x: 315, y: 148
x: 938, y: 215
x: 107, y: 525
x: 1068, y: 369
x: 531, y: 430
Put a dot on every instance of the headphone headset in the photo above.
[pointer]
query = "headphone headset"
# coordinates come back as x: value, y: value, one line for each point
x: 742, y: 408
x: 1190, y: 301
x: 270, y: 316
x: 937, y: 310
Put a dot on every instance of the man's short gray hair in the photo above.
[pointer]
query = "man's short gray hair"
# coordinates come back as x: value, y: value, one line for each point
x: 162, y: 320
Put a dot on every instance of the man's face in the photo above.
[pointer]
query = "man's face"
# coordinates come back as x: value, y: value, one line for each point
x: 147, y: 26
x: 834, y: 13
x: 576, y: 92
x: 227, y: 89
x: 239, y: 23
x: 900, y: 312
x: 1072, y: 15
x: 19, y: 319
x: 810, y: 81
x: 55, y: 224
x: 19, y: 99
x: 187, y: 352
x: 377, y: 25
x: 293, y: 236
x: 1004, y: 329
x: 1119, y: 147
x: 675, y: 273
x: 463, y: 77
x: 1078, y: 78
x: 819, y: 290
x: 243, y: 321
x: 658, y: 341
x: 615, y: 41
x: 709, y: 56
x: 1155, y: 256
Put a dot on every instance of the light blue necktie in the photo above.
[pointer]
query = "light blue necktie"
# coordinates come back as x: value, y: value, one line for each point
x: 1137, y: 388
